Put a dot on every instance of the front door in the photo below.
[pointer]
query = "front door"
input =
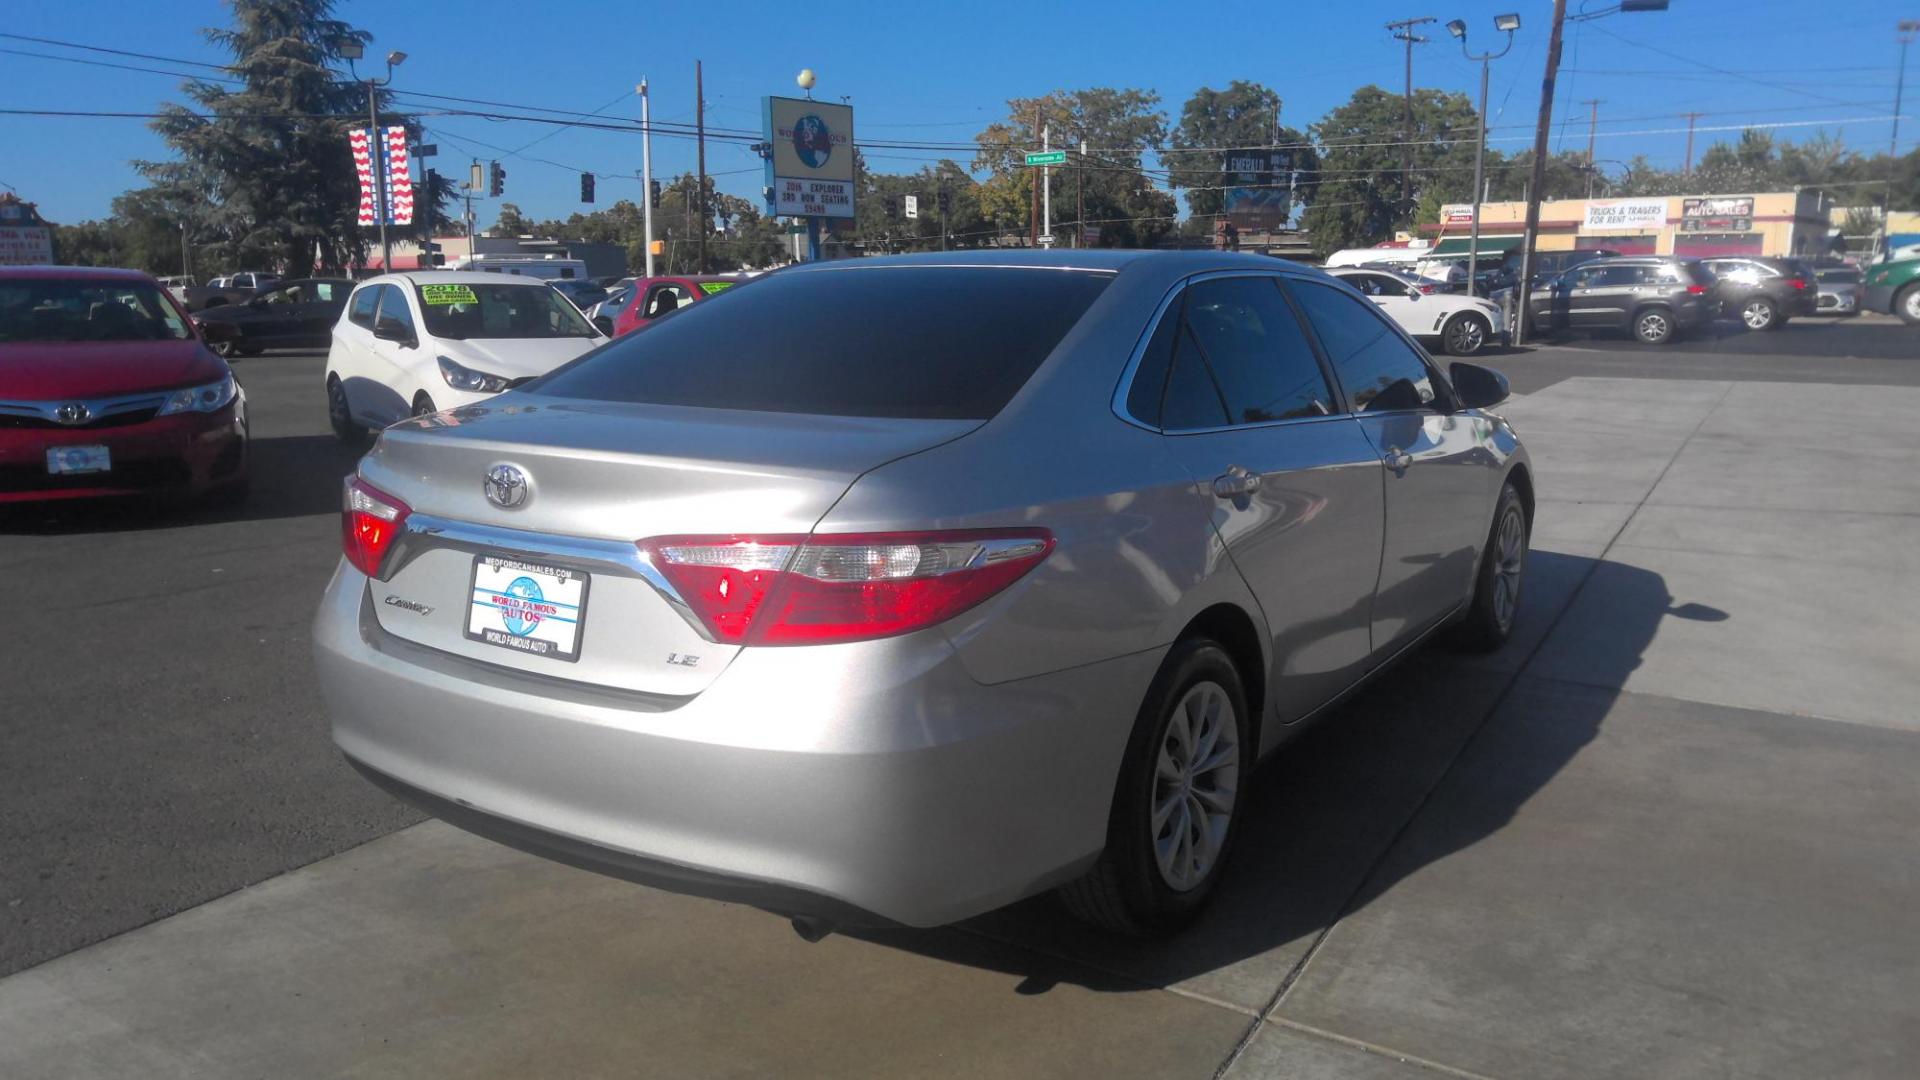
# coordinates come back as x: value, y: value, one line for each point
x: 1437, y: 479
x: 1294, y: 486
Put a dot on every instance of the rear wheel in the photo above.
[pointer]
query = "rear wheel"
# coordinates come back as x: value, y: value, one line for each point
x: 340, y: 415
x: 1760, y: 313
x: 1496, y: 593
x: 1175, y: 804
x: 1465, y: 334
x: 1907, y: 304
x: 1654, y: 326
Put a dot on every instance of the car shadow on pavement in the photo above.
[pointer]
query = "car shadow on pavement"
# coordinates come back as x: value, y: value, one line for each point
x: 1328, y: 825
x: 293, y: 476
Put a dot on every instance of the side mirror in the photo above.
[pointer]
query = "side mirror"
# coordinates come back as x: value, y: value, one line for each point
x: 1478, y: 387
x: 394, y: 330
x: 603, y: 324
x: 219, y: 333
x: 1414, y: 294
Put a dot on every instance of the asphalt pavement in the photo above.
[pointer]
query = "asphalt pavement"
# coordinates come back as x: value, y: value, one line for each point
x: 1666, y: 831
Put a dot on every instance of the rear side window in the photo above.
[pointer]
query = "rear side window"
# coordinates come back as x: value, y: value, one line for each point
x: 1230, y: 351
x: 1380, y: 371
x: 932, y: 343
x: 360, y: 313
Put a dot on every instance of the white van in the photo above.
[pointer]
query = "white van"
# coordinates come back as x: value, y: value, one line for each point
x: 545, y: 267
x: 1395, y: 258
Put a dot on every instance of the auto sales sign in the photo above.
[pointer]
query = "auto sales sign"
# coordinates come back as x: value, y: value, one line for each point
x: 809, y: 158
x: 25, y: 240
x: 1625, y: 214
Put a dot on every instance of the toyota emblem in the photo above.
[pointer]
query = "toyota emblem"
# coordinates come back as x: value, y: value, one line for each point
x: 73, y: 412
x: 507, y: 487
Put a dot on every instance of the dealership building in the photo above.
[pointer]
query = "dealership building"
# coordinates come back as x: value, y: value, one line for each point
x: 1776, y: 223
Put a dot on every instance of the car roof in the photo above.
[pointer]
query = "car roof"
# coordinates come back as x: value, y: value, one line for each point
x: 68, y: 273
x: 1099, y: 260
x: 453, y: 277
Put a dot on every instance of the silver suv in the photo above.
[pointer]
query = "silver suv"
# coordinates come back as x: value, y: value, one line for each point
x: 896, y: 590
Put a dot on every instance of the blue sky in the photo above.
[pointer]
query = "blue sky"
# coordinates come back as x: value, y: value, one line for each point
x: 940, y: 73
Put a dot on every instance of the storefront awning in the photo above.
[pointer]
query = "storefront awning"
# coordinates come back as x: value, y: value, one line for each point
x: 1458, y: 245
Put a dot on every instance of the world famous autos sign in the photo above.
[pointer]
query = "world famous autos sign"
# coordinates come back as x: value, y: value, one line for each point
x: 810, y: 167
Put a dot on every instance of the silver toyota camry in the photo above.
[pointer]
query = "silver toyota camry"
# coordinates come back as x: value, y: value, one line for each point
x: 896, y: 590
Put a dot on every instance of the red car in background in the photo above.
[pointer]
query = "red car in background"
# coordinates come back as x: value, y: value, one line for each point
x: 653, y: 297
x: 107, y: 388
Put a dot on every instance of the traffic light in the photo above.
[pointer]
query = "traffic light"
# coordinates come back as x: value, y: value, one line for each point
x: 586, y: 187
x: 946, y: 201
x: 496, y: 179
x: 654, y: 194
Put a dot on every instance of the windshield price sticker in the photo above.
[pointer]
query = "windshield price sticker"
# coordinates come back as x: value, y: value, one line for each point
x: 448, y: 294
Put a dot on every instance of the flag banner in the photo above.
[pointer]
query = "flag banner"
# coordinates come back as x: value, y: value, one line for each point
x: 363, y: 164
x: 399, y: 175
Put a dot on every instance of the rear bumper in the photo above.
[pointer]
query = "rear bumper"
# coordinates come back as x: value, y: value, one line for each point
x: 874, y: 782
x: 185, y: 454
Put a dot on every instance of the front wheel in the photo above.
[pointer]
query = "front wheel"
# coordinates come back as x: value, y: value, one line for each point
x: 1465, y: 334
x: 1654, y: 326
x: 1176, y: 801
x: 1496, y: 592
x: 1907, y: 304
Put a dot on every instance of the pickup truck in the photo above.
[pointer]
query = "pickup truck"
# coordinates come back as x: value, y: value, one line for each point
x: 231, y: 289
x: 1895, y: 287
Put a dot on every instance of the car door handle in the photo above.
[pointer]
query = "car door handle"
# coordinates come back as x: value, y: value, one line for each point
x: 1236, y: 483
x: 1397, y: 459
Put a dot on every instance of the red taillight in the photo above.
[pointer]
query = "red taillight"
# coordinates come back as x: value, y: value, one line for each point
x: 815, y: 590
x: 369, y: 521
x: 1798, y: 283
x: 1428, y: 290
x: 1696, y: 290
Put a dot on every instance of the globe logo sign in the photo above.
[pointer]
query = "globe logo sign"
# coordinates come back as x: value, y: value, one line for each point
x: 521, y: 618
x: 812, y: 141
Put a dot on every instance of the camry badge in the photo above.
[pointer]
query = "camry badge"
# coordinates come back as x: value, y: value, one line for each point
x: 506, y: 487
x: 73, y: 412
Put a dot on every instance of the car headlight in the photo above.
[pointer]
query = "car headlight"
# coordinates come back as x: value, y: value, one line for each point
x: 465, y: 378
x: 208, y: 398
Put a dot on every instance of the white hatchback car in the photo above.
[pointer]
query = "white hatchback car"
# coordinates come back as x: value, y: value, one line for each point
x: 1462, y: 324
x: 409, y: 344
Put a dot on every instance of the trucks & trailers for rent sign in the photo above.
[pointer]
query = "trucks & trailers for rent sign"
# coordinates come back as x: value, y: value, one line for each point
x: 1625, y: 214
x: 810, y: 166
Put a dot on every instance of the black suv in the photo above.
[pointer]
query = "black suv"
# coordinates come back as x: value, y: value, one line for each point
x: 1763, y: 293
x: 1654, y: 296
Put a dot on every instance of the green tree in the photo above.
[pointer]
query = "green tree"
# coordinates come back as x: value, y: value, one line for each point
x: 1245, y: 115
x: 1358, y: 199
x: 511, y: 221
x: 1118, y: 126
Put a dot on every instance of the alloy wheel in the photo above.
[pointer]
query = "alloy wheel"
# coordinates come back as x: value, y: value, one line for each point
x: 1912, y: 305
x: 1758, y: 315
x: 1196, y: 782
x: 1653, y: 326
x: 1510, y: 557
x: 1465, y: 336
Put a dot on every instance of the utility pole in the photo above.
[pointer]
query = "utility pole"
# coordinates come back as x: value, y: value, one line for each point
x: 1537, y: 182
x: 1593, y: 124
x: 646, y: 171
x: 1033, y: 204
x: 1403, y: 31
x: 1907, y: 30
x: 1691, y: 117
x: 1080, y: 198
x: 700, y: 122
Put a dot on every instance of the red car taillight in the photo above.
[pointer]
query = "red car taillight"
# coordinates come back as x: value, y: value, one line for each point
x: 1798, y: 283
x: 1696, y: 290
x: 1428, y: 290
x: 369, y: 521
x: 817, y: 590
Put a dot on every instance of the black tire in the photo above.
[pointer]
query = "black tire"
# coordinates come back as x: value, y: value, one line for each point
x: 340, y: 417
x: 422, y: 405
x: 1654, y: 326
x: 250, y: 350
x: 1759, y: 313
x: 1906, y: 304
x: 226, y: 350
x: 1466, y: 334
x: 1489, y: 620
x: 1127, y: 891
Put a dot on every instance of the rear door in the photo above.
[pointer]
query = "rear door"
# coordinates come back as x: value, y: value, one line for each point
x: 1295, y: 486
x: 1603, y: 296
x: 1396, y: 298
x: 1438, y: 508
x: 396, y: 362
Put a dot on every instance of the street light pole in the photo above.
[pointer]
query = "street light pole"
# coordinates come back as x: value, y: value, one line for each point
x: 1458, y: 28
x: 1907, y: 30
x: 646, y: 172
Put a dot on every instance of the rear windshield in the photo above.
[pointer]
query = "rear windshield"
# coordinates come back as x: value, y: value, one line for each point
x: 48, y: 309
x: 483, y: 310
x: 930, y: 343
x: 1841, y: 277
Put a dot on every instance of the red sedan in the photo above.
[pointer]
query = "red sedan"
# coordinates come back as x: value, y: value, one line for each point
x: 106, y: 388
x: 653, y: 297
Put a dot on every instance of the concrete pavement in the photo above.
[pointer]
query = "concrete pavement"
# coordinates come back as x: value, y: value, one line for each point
x: 1666, y: 832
